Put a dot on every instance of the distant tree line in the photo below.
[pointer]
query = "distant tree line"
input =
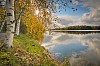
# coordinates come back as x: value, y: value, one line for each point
x: 79, y: 28
x: 78, y: 32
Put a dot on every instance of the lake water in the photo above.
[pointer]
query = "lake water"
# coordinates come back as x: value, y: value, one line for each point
x: 80, y: 49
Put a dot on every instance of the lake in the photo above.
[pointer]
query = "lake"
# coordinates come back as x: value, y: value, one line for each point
x: 81, y: 49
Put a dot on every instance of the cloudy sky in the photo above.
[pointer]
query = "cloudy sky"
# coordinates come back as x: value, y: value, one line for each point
x: 88, y: 13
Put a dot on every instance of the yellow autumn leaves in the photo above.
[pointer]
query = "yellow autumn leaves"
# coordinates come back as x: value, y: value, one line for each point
x: 35, y: 24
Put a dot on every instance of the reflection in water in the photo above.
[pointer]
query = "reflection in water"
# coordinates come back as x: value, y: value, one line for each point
x: 81, y: 49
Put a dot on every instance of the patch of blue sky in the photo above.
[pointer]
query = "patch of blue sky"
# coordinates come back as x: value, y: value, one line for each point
x: 67, y: 10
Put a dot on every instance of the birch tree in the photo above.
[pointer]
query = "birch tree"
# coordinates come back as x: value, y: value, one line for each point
x: 10, y: 24
x: 2, y: 25
x: 18, y: 22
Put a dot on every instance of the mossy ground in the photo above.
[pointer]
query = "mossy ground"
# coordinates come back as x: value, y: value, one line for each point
x: 27, y: 52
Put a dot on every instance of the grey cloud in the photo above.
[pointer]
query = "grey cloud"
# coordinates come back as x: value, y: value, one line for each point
x: 93, y: 17
x: 91, y: 3
x: 75, y: 2
x: 68, y: 20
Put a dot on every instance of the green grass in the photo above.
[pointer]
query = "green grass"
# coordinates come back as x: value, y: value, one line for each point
x: 27, y: 41
x: 25, y: 54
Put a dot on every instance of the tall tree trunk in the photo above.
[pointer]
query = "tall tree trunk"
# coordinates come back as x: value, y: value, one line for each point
x: 18, y: 21
x: 18, y: 26
x: 2, y: 25
x: 8, y: 43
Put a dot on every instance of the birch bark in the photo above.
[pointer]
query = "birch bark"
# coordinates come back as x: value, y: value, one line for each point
x: 10, y: 23
x: 2, y: 25
x: 18, y: 26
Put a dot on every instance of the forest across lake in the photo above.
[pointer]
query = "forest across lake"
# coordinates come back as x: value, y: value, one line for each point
x: 84, y: 27
x: 77, y: 32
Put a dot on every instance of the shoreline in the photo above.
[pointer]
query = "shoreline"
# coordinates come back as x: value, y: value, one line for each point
x: 75, y: 30
x: 25, y: 53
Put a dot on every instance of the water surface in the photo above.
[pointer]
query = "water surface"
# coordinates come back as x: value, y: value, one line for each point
x: 81, y: 49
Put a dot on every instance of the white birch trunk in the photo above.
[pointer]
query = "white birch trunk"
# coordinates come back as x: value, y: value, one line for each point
x: 2, y: 25
x: 10, y: 23
x: 18, y: 22
x: 18, y: 26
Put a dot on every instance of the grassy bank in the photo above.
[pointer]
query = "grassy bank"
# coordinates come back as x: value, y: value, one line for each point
x: 27, y: 52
